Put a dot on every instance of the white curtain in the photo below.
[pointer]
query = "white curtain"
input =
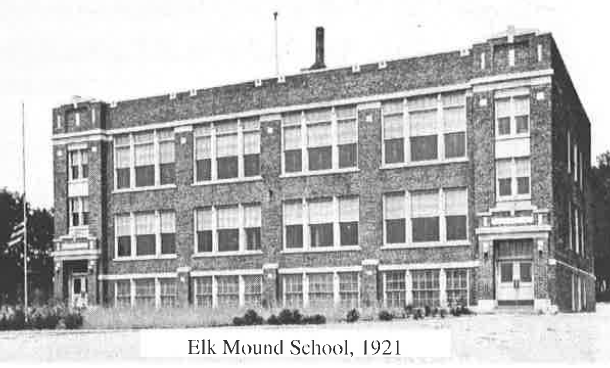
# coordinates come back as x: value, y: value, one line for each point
x: 523, y: 167
x: 503, y: 168
x: 204, y: 219
x: 252, y: 143
x: 522, y: 105
x: 454, y: 99
x: 423, y: 122
x: 202, y: 130
x: 252, y: 216
x: 345, y: 112
x: 228, y: 217
x: 168, y: 222
x: 226, y: 126
x: 293, y: 213
x: 320, y: 211
x: 146, y: 137
x: 349, y: 209
x: 292, y: 138
x: 145, y: 223
x: 424, y: 102
x: 394, y: 206
x: 292, y: 118
x: 226, y: 145
x: 122, y: 157
x: 348, y: 131
x: 203, y: 147
x: 455, y: 119
x: 392, y: 107
x: 503, y: 107
x: 145, y: 154
x: 456, y: 201
x: 166, y: 152
x: 319, y: 135
x: 318, y: 115
x: 393, y: 126
x: 123, y: 225
x: 424, y: 204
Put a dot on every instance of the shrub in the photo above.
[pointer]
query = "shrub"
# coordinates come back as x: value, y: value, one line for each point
x: 273, y: 320
x: 316, y: 319
x: 443, y: 313
x: 408, y: 309
x: 238, y: 321
x: 434, y: 311
x: 427, y: 310
x: 352, y: 316
x: 73, y: 320
x: 17, y: 320
x: 252, y: 318
x: 418, y: 313
x: 288, y: 317
x: 385, y: 316
x: 44, y: 318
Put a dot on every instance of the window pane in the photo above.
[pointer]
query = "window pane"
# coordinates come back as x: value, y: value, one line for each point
x: 422, y: 102
x: 522, y: 124
x: 506, y: 272
x: 252, y: 144
x: 349, y: 233
x: 321, y: 290
x: 319, y: 135
x: 294, y: 236
x: 123, y: 178
x: 253, y: 287
x: 122, y: 157
x: 320, y: 158
x: 168, y: 243
x: 426, y: 288
x: 395, y: 231
x: 456, y: 227
x: 320, y: 211
x: 349, y: 209
x: 504, y: 126
x: 292, y: 161
x: 393, y: 126
x: 228, y: 291
x: 425, y: 229
x: 349, y: 289
x: 204, y: 170
x: 292, y: 138
x: 145, y: 245
x: 145, y: 176
x: 503, y: 108
x: 227, y: 167
x: 203, y: 147
x: 455, y: 145
x: 318, y: 115
x: 503, y: 168
x: 226, y: 145
x: 423, y: 123
x: 455, y: 119
x: 203, y: 292
x: 251, y: 165
x: 456, y: 201
x: 394, y: 150
x: 228, y: 217
x: 424, y: 203
x: 505, y: 187
x: 348, y: 154
x: 145, y: 155
x: 525, y: 270
x: 395, y: 289
x: 124, y: 245
x: 347, y: 131
x: 392, y: 107
x: 424, y: 148
x: 228, y: 240
x: 166, y: 152
x: 293, y: 212
x: 253, y: 238
x: 523, y: 185
x: 204, y: 241
x: 293, y: 290
x: 321, y: 235
x: 167, y: 173
x: 145, y: 292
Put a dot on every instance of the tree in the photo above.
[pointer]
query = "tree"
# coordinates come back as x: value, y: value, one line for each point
x: 40, y: 246
x: 601, y: 216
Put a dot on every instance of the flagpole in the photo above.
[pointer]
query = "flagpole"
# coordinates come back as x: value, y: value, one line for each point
x: 25, y: 217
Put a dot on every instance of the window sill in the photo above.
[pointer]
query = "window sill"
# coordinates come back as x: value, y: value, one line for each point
x: 322, y: 250
x: 460, y: 243
x: 515, y: 198
x: 509, y: 137
x: 320, y: 172
x: 78, y: 181
x: 145, y: 258
x: 227, y: 181
x: 227, y: 254
x: 143, y: 189
x: 423, y: 163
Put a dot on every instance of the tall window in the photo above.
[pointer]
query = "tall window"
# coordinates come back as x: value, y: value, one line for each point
x: 167, y: 166
x: 293, y: 223
x: 456, y: 210
x: 293, y: 142
x: 513, y: 178
x: 252, y: 226
x: 426, y: 288
x: 319, y: 146
x: 145, y: 234
x: 167, y: 292
x: 425, y: 216
x: 153, y: 233
x: 78, y: 164
x: 512, y: 116
x: 293, y: 290
x: 321, y: 293
x: 395, y: 223
x: 205, y: 232
x: 347, y: 128
x: 395, y: 289
x: 348, y: 220
x: 203, y: 292
x: 349, y: 289
x: 233, y: 228
x: 145, y: 292
x: 122, y: 149
x: 454, y: 123
x: 168, y: 232
x: 253, y: 288
x: 78, y: 211
x: 123, y: 235
x: 228, y: 229
x: 144, y: 159
x: 457, y: 287
x: 393, y: 131
x: 423, y: 117
x: 321, y: 223
x: 228, y: 291
x: 123, y: 293
x: 227, y: 150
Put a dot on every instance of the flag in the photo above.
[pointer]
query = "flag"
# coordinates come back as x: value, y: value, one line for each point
x: 17, y: 235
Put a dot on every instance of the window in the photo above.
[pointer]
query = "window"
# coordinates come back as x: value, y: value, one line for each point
x: 423, y: 117
x: 395, y: 289
x: 575, y: 161
x: 456, y: 210
x: 123, y: 235
x: 321, y: 293
x: 393, y: 131
x: 513, y: 177
x: 123, y: 293
x: 320, y: 139
x: 426, y: 288
x: 167, y: 292
x: 168, y: 232
x: 321, y: 223
x: 122, y: 164
x: 144, y: 159
x: 457, y: 287
x: 253, y: 288
x: 167, y: 167
x: 395, y: 224
x: 347, y: 127
x: 454, y: 121
x: 293, y: 290
x: 349, y: 214
x: 425, y: 216
x: 252, y: 226
x: 145, y: 292
x: 569, y: 152
x: 293, y: 222
x: 204, y: 230
x: 203, y: 292
x: 145, y: 234
x: 79, y: 211
x: 228, y: 291
x: 78, y: 164
x: 512, y: 115
x: 227, y: 150
x: 349, y: 289
x: 228, y: 229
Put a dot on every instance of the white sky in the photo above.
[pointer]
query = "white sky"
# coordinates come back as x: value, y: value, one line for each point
x: 111, y: 50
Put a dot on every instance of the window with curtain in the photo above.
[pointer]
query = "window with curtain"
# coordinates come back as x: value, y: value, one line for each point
x: 321, y: 223
x: 293, y: 290
x: 454, y: 116
x: 167, y: 165
x: 348, y: 289
x: 426, y: 288
x: 168, y: 232
x: 203, y: 153
x: 425, y: 216
x: 393, y: 131
x: 349, y: 214
x: 123, y: 293
x: 227, y: 291
x: 253, y: 289
x: 456, y: 210
x: 321, y: 293
x: 252, y: 226
x: 167, y: 292
x: 78, y: 164
x: 203, y: 292
x: 522, y: 112
x: 319, y: 146
x: 144, y: 159
x: 503, y: 116
x: 228, y: 228
x: 423, y: 128
x: 457, y: 287
x: 84, y: 210
x: 522, y: 166
x: 395, y: 289
x: 122, y: 161
x: 75, y: 210
x: 204, y: 230
x: 123, y: 234
x: 293, y: 224
x: 504, y: 177
x: 226, y: 150
x: 395, y: 219
x: 145, y: 234
x: 292, y: 142
x: 252, y: 147
x: 347, y: 128
x: 145, y: 292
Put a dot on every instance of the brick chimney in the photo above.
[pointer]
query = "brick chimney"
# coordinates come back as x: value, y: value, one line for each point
x: 319, y: 64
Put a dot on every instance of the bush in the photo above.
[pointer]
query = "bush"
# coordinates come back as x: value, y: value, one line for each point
x: 238, y: 321
x: 418, y: 313
x: 273, y: 320
x: 443, y: 313
x: 352, y: 316
x: 288, y: 317
x: 316, y: 319
x: 44, y: 318
x: 427, y: 311
x: 434, y: 311
x: 408, y: 310
x: 73, y: 320
x: 385, y: 316
x: 252, y: 318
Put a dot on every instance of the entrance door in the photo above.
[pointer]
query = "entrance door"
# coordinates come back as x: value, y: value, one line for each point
x: 515, y: 282
x: 78, y: 291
